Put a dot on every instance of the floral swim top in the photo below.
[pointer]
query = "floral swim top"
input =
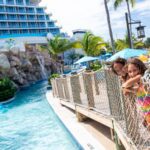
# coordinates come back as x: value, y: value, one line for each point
x: 143, y: 100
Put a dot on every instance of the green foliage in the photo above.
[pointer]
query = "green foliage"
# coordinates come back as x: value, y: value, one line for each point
x: 147, y: 42
x: 91, y: 44
x: 108, y: 47
x: 72, y: 56
x: 57, y: 45
x: 95, y: 66
x: 121, y: 44
x: 117, y: 3
x: 53, y: 76
x: 7, y: 89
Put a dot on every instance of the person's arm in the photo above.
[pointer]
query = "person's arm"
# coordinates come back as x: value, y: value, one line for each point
x: 131, y: 81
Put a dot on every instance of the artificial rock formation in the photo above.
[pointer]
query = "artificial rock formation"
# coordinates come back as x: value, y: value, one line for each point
x: 26, y: 67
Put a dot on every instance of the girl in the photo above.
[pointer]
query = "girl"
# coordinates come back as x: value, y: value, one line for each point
x: 136, y: 70
x: 119, y: 68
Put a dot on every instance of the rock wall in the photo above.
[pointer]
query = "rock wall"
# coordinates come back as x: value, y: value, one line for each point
x: 26, y: 67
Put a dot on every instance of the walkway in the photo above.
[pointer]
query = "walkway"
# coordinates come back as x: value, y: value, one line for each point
x: 90, y: 134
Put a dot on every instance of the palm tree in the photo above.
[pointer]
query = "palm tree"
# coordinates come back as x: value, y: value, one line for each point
x: 109, y: 25
x: 124, y: 43
x: 10, y: 44
x: 72, y: 56
x: 57, y: 45
x: 92, y: 45
x: 117, y: 3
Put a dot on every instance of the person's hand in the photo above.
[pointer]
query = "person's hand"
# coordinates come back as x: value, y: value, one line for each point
x: 127, y: 91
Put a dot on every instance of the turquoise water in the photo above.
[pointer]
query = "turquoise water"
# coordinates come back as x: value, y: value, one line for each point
x: 29, y: 123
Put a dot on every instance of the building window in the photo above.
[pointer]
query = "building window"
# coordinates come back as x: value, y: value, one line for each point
x: 32, y: 24
x: 12, y: 17
x: 41, y: 17
x: 31, y: 17
x: 13, y: 25
x: 19, y: 2
x: 21, y: 10
x: 39, y: 10
x: 2, y: 17
x: 9, y: 1
x: 24, y: 31
x: 23, y: 25
x: 3, y: 24
x: 3, y: 32
x: 2, y: 9
x: 30, y: 10
x: 10, y: 9
x: 1, y: 1
x: 22, y: 17
x: 51, y: 24
x: 14, y: 31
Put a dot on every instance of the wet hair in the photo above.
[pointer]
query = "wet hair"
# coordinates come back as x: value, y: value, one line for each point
x: 121, y: 61
x: 138, y: 63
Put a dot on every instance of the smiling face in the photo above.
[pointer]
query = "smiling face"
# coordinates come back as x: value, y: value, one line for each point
x: 120, y: 69
x: 133, y: 70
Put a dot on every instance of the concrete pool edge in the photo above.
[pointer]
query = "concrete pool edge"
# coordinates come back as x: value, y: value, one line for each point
x: 82, y: 136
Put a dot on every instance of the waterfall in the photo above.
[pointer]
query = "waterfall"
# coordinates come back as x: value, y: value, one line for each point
x: 41, y: 63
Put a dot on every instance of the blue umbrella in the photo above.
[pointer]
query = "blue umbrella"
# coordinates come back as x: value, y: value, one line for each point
x: 86, y: 59
x: 127, y: 53
x: 105, y: 56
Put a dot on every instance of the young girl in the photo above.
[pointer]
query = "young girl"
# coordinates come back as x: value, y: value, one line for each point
x: 136, y: 70
x: 119, y: 68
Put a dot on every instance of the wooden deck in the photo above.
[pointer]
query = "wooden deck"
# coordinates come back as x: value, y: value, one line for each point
x: 107, y: 121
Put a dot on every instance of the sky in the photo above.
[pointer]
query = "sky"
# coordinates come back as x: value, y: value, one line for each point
x: 91, y: 15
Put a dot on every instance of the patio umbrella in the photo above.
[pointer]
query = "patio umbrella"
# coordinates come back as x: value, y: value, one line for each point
x: 86, y: 59
x: 143, y: 58
x: 127, y: 53
x: 104, y: 57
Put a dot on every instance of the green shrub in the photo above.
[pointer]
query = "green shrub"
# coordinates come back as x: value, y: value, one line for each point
x: 95, y: 66
x: 7, y: 89
x: 53, y: 76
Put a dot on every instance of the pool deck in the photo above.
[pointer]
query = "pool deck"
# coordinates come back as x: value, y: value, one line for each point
x: 85, y: 133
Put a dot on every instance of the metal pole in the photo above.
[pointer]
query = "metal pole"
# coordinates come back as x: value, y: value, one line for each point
x: 130, y: 25
x: 128, y: 30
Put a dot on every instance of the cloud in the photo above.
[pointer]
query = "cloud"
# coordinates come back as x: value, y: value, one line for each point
x: 90, y: 14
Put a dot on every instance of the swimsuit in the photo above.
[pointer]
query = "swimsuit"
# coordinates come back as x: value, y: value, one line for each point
x: 143, y: 102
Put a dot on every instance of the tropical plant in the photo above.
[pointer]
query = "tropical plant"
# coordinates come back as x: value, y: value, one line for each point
x: 117, y: 3
x: 109, y: 25
x: 53, y: 76
x: 108, y: 47
x: 10, y: 43
x: 124, y: 43
x: 57, y: 45
x: 92, y: 45
x: 7, y: 89
x: 95, y: 66
x: 72, y: 56
x: 147, y: 42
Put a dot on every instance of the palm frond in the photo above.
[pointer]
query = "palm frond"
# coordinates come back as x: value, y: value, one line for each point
x: 117, y: 3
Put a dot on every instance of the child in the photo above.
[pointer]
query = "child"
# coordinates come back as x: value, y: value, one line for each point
x: 136, y: 70
x: 119, y: 68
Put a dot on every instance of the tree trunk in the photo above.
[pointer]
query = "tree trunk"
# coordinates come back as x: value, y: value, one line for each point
x: 109, y: 26
x: 130, y: 26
